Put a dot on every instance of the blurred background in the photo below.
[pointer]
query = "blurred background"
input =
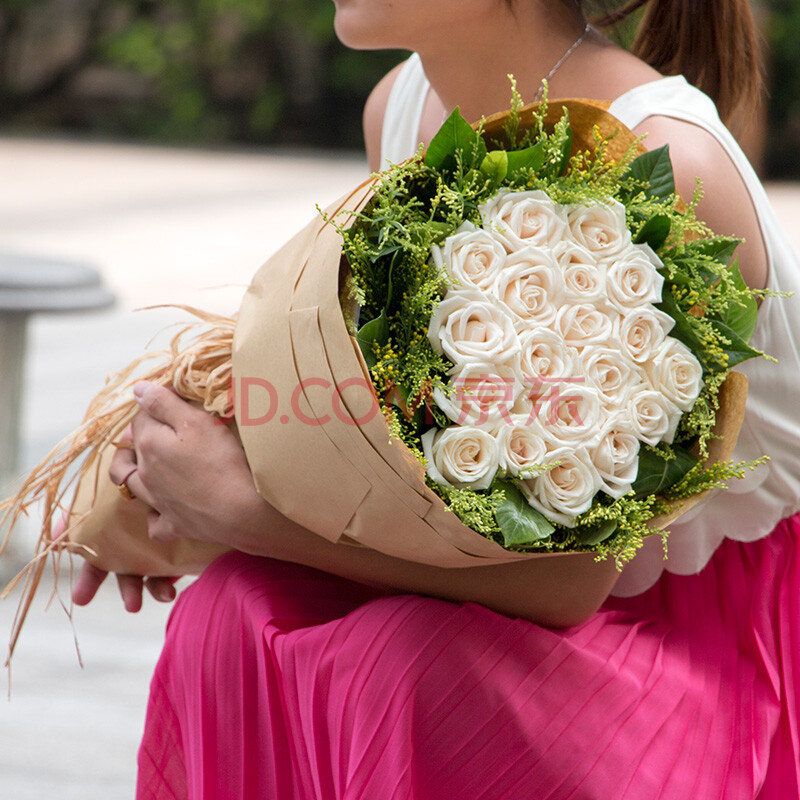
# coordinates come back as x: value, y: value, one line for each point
x: 255, y: 72
x: 156, y: 152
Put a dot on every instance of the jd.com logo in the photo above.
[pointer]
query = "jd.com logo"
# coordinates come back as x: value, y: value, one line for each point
x: 257, y: 402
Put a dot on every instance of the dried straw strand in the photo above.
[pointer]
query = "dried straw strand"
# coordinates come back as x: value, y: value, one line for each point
x: 198, y: 370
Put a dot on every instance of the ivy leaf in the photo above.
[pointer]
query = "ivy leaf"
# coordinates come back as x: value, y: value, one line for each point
x: 654, y: 170
x: 495, y: 166
x: 376, y: 331
x: 520, y: 524
x: 654, y: 232
x: 595, y: 534
x: 741, y: 315
x: 657, y: 473
x: 455, y: 137
x: 530, y: 158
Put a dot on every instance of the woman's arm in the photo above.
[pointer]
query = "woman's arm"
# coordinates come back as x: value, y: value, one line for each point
x: 194, y: 473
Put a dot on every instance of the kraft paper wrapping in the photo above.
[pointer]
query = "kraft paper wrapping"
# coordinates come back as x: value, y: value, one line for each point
x: 317, y: 445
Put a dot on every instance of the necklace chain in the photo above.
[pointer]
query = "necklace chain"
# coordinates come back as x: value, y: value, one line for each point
x: 570, y: 50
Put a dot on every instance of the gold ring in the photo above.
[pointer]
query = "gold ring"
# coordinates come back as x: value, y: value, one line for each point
x: 123, y: 487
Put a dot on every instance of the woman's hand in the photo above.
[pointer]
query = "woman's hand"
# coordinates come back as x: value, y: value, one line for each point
x: 190, y: 469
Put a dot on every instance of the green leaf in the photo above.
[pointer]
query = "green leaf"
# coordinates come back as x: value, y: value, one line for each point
x: 654, y: 169
x: 530, y: 158
x: 737, y: 351
x: 520, y: 524
x: 684, y: 331
x: 654, y: 232
x: 456, y: 136
x: 657, y: 473
x: 742, y: 314
x: 595, y: 534
x: 495, y: 166
x: 376, y: 331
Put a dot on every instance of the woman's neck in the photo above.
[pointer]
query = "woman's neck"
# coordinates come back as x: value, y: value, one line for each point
x: 526, y: 44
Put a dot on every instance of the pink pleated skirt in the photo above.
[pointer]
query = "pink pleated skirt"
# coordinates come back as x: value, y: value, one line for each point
x: 278, y: 681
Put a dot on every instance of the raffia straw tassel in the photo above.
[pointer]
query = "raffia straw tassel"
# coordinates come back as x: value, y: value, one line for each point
x: 199, y: 370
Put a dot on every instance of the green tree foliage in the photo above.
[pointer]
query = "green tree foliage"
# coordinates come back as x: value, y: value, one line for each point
x: 783, y: 34
x: 198, y: 70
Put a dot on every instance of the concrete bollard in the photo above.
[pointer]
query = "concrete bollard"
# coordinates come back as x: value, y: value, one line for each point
x: 33, y: 285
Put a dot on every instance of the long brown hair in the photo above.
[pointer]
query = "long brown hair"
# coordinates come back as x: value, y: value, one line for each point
x: 713, y: 43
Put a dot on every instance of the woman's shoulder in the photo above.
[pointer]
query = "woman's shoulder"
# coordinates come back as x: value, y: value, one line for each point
x: 727, y: 205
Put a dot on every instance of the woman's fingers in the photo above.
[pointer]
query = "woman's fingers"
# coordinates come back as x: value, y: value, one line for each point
x: 130, y: 589
x: 87, y: 583
x: 162, y: 405
x: 162, y: 589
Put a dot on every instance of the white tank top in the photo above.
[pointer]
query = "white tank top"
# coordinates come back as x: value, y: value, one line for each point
x: 751, y: 507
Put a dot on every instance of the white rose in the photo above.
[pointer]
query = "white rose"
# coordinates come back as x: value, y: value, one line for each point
x: 525, y: 218
x: 470, y: 327
x: 632, y: 278
x: 676, y: 372
x: 612, y: 372
x: 584, y: 324
x: 565, y: 490
x: 616, y: 458
x: 584, y: 276
x: 471, y: 256
x: 544, y: 355
x: 460, y: 456
x: 530, y: 286
x: 653, y: 417
x: 641, y: 331
x: 479, y: 395
x: 521, y: 445
x: 570, y: 412
x: 600, y: 228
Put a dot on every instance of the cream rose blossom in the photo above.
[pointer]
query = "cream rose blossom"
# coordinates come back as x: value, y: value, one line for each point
x: 544, y: 355
x: 632, y: 278
x: 521, y: 445
x: 524, y: 218
x: 642, y: 331
x: 584, y: 324
x: 677, y: 373
x: 460, y: 456
x: 530, y: 286
x: 570, y: 412
x: 600, y: 228
x: 480, y: 395
x: 471, y: 256
x: 616, y: 458
x: 584, y: 276
x: 613, y: 373
x: 653, y: 418
x: 469, y: 327
x: 565, y: 490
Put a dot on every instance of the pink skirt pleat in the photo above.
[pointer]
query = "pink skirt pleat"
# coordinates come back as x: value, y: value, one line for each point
x: 278, y: 681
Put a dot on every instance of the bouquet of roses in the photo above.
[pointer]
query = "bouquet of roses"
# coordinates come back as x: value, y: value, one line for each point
x: 549, y: 331
x: 546, y: 328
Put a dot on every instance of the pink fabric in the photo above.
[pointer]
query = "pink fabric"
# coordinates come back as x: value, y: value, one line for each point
x: 279, y: 682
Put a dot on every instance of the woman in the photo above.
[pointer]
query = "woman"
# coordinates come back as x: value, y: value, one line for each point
x: 330, y: 672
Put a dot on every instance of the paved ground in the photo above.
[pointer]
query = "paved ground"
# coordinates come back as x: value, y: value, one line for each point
x: 162, y: 226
